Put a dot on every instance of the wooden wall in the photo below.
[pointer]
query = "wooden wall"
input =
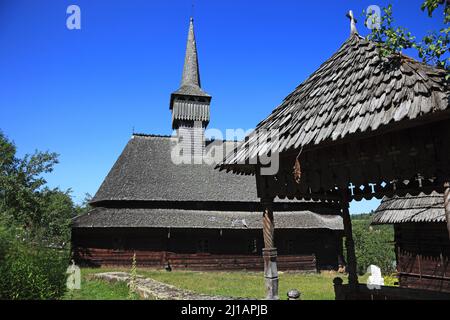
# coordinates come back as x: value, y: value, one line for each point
x: 205, y: 249
x: 423, y: 254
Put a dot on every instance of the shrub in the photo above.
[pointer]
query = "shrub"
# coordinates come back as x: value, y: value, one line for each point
x: 132, y: 295
x: 30, y: 271
x: 391, y: 280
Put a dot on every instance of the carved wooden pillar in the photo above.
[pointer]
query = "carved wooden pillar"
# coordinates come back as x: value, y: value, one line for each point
x: 349, y: 243
x: 447, y: 205
x: 269, y: 251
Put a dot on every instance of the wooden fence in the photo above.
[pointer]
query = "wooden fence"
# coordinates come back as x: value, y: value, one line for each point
x: 362, y: 292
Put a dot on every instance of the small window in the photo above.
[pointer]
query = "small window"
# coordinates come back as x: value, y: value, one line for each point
x: 203, y: 246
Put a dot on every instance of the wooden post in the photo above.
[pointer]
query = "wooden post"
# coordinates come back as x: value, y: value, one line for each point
x: 269, y: 251
x: 349, y: 243
x: 447, y: 205
x: 338, y: 289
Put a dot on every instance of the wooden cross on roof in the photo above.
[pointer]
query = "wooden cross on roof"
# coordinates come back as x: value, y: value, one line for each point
x: 353, y: 22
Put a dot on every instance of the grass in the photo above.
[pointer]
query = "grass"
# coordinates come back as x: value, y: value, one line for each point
x: 92, y: 289
x: 313, y: 286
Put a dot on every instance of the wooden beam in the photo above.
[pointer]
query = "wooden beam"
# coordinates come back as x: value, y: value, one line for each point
x: 269, y: 251
x: 268, y: 224
x: 447, y: 205
x: 349, y: 243
x: 392, y: 128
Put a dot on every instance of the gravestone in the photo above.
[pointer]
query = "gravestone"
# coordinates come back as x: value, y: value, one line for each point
x: 375, y: 280
x: 74, y: 277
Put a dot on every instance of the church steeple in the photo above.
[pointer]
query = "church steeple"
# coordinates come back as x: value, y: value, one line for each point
x: 190, y: 104
x: 191, y: 74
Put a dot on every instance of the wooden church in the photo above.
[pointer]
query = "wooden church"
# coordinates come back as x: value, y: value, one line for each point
x: 188, y: 215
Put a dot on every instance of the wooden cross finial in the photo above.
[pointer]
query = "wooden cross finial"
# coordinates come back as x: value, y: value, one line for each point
x: 353, y: 22
x: 352, y: 188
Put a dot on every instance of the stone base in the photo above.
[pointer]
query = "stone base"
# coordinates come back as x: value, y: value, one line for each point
x: 271, y: 273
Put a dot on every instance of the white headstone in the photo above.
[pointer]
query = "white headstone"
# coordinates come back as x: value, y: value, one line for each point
x: 74, y: 277
x: 375, y: 280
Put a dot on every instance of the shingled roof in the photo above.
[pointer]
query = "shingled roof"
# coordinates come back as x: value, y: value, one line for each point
x: 145, y: 172
x: 175, y: 218
x: 356, y: 90
x: 420, y: 208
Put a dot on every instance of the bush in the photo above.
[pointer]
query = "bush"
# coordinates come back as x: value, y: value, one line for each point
x: 391, y: 280
x: 5, y: 243
x: 30, y: 272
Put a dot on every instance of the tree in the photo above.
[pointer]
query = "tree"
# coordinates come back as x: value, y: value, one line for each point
x: 26, y: 203
x: 34, y: 226
x: 373, y: 245
x: 57, y: 209
x: 85, y: 205
x: 433, y: 48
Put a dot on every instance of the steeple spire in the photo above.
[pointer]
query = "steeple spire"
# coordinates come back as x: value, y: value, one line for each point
x: 190, y: 105
x: 191, y: 74
x: 190, y: 80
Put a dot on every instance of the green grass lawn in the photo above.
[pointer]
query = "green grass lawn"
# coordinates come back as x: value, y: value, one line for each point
x: 313, y: 286
x: 92, y: 289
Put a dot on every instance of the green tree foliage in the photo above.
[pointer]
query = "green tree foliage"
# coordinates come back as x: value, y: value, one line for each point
x: 85, y: 206
x: 57, y: 209
x: 42, y: 214
x: 373, y: 245
x: 433, y: 48
x: 34, y: 226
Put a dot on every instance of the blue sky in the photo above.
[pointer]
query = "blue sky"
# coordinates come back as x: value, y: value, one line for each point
x: 80, y: 93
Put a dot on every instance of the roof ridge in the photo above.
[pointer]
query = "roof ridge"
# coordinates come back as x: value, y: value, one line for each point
x: 153, y: 135
x: 150, y: 135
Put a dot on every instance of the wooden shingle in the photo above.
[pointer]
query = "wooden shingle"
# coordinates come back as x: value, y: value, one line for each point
x: 356, y: 90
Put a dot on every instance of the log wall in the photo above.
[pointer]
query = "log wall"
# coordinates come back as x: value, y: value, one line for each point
x: 423, y: 254
x: 299, y: 250
x: 194, y: 261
